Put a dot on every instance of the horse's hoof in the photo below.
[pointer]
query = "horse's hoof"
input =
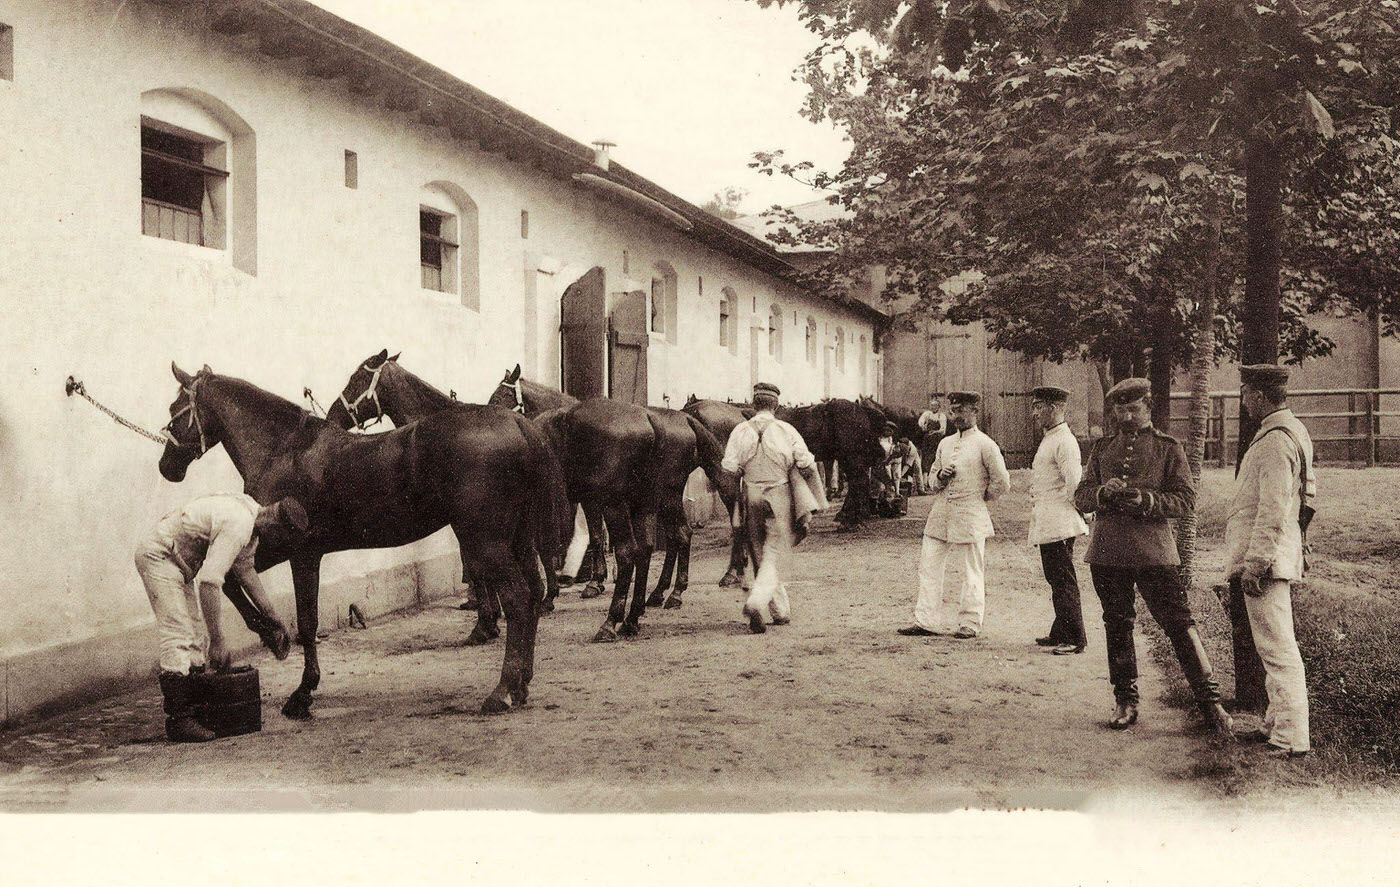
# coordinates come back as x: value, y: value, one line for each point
x: 564, y: 581
x: 522, y: 696
x: 656, y: 599
x: 590, y: 591
x: 605, y: 635
x: 629, y: 629
x: 547, y: 606
x: 494, y: 706
x: 730, y: 580
x: 673, y: 602
x: 297, y: 709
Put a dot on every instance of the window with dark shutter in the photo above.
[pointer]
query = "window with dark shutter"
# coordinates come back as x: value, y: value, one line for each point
x: 176, y: 188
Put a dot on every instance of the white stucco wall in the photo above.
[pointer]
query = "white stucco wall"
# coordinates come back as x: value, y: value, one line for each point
x: 336, y: 279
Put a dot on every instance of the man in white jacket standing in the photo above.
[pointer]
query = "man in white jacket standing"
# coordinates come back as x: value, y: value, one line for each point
x: 968, y: 472
x: 1264, y: 545
x: 1055, y: 521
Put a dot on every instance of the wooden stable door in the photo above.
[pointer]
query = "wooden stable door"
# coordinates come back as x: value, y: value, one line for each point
x: 627, y: 355
x: 583, y: 336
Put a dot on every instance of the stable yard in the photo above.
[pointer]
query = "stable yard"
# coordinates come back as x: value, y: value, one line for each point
x: 834, y: 711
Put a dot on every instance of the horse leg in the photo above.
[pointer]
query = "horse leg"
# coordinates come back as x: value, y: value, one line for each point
x: 503, y: 576
x: 536, y: 586
x: 854, y: 504
x: 625, y: 551
x: 488, y: 610
x: 643, y: 531
x: 594, y: 558
x: 738, y: 556
x: 663, y: 582
x: 306, y: 583
x: 551, y: 585
x: 678, y: 535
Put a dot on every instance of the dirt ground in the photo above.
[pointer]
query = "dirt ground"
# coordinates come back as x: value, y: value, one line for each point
x: 834, y: 711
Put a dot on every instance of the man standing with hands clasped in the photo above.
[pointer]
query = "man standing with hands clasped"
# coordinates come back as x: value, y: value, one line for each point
x: 968, y: 472
x: 1055, y: 522
x: 1136, y: 480
x: 1269, y: 512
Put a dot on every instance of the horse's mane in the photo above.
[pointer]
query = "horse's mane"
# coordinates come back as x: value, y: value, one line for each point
x: 539, y: 389
x: 273, y: 406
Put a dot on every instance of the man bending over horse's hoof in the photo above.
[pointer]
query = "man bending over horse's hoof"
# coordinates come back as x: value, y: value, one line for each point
x: 195, y: 552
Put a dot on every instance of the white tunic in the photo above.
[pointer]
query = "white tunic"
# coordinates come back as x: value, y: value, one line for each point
x: 1055, y: 474
x: 1262, y: 533
x: 959, y: 513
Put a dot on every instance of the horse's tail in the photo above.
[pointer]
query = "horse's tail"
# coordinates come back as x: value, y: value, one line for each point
x: 710, y: 455
x: 548, y: 510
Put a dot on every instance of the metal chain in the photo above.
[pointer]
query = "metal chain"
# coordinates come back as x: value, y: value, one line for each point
x: 315, y: 407
x: 73, y: 386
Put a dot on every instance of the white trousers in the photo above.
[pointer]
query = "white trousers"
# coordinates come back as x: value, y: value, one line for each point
x: 184, y: 639
x: 573, y: 558
x: 1271, y: 623
x: 938, y: 605
x: 768, y: 591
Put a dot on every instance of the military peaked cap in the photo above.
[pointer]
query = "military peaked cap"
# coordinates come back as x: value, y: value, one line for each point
x: 958, y: 398
x: 765, y: 388
x: 1264, y: 374
x: 1050, y: 394
x: 1128, y: 391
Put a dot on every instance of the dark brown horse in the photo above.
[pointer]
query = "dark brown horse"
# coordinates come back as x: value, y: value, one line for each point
x: 379, y: 388
x: 489, y: 481
x: 684, y: 444
x: 842, y: 432
x: 721, y: 418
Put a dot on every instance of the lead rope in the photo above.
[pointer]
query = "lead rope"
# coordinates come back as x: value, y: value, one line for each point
x: 73, y: 386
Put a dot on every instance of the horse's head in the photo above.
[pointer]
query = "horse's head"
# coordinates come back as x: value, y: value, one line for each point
x: 508, y: 393
x: 190, y: 432
x: 690, y: 401
x: 358, y: 404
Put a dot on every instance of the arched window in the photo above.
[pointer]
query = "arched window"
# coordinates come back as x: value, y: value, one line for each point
x: 449, y: 259
x: 663, y: 300
x: 198, y: 174
x: 840, y: 349
x: 775, y: 333
x: 811, y: 339
x: 729, y: 320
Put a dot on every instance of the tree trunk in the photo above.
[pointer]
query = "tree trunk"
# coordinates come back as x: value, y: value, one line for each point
x: 1159, y: 373
x: 1202, y: 359
x: 1263, y: 258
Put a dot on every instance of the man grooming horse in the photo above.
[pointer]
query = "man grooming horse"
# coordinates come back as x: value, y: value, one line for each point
x: 186, y: 562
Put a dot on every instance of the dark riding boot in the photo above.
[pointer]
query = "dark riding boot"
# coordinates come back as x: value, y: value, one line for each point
x: 1195, y: 665
x: 180, y: 725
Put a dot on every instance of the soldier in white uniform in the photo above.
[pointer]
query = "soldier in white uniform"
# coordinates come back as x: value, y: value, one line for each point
x: 968, y: 472
x: 1264, y: 545
x: 1055, y: 521
x: 184, y: 564
x: 764, y: 450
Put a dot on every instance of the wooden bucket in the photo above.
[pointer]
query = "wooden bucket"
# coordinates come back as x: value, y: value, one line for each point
x: 229, y: 703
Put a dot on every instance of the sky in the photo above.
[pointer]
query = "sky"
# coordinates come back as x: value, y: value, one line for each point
x: 687, y: 89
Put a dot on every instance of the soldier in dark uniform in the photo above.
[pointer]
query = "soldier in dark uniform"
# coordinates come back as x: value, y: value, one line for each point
x: 1135, y: 480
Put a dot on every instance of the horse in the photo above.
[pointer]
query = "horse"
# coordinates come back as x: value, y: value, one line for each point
x: 489, y: 481
x: 379, y: 389
x: 721, y: 418
x: 684, y: 444
x: 844, y: 432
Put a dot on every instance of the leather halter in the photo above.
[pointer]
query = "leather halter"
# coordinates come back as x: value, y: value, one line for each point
x: 370, y: 393
x: 519, y: 395
x: 194, y: 422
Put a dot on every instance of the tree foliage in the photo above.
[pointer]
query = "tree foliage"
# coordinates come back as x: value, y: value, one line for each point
x: 1077, y: 153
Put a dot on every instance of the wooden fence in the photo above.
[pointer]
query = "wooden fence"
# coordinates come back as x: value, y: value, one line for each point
x: 1346, y: 424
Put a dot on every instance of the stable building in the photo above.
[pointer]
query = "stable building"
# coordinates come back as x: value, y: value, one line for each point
x: 260, y: 186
